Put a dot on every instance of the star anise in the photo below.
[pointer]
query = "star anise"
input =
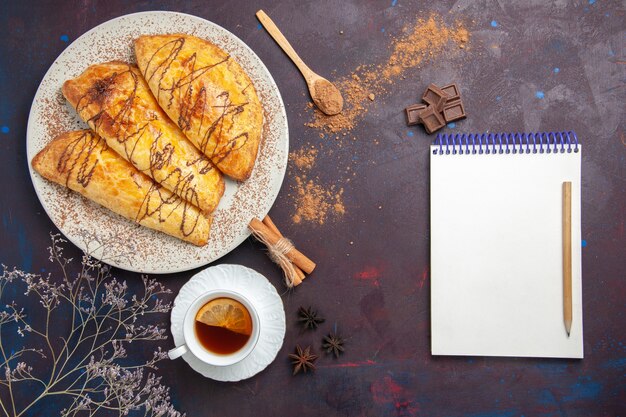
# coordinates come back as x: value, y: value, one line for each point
x: 303, y: 360
x: 333, y: 343
x: 309, y: 318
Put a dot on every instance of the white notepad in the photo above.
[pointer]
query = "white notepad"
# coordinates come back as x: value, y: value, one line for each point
x: 496, y: 245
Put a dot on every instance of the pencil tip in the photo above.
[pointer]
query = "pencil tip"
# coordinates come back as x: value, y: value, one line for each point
x: 568, y: 333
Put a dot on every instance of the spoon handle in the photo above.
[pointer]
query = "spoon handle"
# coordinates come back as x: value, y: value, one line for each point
x: 284, y: 44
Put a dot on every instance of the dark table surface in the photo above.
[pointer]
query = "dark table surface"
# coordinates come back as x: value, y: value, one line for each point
x: 532, y: 66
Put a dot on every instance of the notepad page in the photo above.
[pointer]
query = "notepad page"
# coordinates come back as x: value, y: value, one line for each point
x: 496, y: 255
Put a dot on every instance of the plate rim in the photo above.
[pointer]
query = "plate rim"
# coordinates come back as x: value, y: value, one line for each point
x: 30, y: 152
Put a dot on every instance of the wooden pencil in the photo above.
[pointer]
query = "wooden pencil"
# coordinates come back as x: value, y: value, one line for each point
x: 567, y: 256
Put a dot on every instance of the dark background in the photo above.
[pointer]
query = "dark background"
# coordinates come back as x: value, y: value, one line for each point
x: 376, y: 289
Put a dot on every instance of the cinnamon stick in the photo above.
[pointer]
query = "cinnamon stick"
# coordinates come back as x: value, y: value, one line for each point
x: 270, y: 224
x: 294, y: 255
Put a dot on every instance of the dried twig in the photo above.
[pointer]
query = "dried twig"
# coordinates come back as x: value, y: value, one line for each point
x: 87, y: 365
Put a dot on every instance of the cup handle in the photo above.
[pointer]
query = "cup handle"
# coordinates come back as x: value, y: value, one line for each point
x: 177, y: 352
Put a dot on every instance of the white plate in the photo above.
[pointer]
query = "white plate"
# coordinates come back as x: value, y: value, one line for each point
x: 263, y: 296
x: 110, y: 237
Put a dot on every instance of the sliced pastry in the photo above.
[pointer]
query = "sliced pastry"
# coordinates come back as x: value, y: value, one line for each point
x: 114, y: 99
x: 83, y: 162
x: 207, y: 93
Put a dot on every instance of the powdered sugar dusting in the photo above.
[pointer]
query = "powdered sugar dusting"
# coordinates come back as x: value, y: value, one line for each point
x: 112, y: 238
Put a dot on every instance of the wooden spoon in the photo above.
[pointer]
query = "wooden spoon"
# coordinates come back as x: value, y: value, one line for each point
x: 324, y: 93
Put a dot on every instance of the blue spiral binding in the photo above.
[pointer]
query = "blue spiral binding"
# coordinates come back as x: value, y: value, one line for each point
x: 505, y: 143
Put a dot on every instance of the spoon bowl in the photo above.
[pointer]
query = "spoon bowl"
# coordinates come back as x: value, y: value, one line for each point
x: 326, y: 96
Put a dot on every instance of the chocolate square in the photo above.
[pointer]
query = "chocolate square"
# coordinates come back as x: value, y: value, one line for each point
x: 435, y: 96
x: 454, y: 110
x: 432, y: 120
x: 413, y: 114
x: 452, y: 90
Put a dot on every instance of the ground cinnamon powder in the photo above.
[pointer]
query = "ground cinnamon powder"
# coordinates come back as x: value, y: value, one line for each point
x: 421, y: 41
x: 312, y: 202
x: 303, y: 159
x: 327, y: 97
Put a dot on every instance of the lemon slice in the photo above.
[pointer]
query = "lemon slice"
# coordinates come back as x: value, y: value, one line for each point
x: 227, y: 313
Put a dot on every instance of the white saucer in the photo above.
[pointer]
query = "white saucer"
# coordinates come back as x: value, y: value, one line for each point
x: 256, y: 288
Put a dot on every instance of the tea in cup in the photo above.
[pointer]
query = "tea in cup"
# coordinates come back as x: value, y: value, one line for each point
x: 220, y: 328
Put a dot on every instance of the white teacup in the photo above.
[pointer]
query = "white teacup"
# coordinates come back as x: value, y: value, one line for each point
x: 193, y: 345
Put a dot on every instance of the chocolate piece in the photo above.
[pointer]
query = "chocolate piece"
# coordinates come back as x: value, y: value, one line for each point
x: 413, y: 114
x: 435, y: 96
x: 452, y: 90
x: 454, y: 110
x: 432, y: 120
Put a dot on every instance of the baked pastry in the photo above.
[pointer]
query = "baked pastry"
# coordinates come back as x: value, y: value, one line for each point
x: 207, y: 93
x: 82, y: 161
x: 116, y: 102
